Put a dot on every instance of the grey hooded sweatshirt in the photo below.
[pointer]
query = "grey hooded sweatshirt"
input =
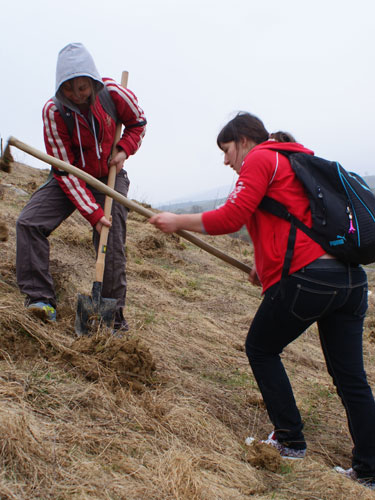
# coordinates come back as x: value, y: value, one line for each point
x: 75, y: 60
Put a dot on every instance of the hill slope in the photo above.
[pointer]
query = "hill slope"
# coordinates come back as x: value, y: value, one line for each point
x: 163, y: 413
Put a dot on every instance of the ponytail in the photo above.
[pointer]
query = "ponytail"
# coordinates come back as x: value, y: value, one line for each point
x: 282, y: 136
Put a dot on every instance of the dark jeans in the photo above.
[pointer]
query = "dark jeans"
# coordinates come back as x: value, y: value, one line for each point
x: 335, y: 296
x: 47, y: 209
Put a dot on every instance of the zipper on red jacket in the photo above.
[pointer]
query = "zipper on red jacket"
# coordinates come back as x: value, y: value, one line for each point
x: 101, y: 132
x: 100, y: 141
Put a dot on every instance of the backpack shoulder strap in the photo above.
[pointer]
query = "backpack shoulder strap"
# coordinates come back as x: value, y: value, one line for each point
x: 275, y: 207
x: 109, y: 106
x: 107, y: 102
x: 66, y: 115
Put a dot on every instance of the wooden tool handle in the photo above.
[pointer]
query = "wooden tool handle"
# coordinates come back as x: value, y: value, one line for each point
x: 102, y: 249
x: 130, y: 204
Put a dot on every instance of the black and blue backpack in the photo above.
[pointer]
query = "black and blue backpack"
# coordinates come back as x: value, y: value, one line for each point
x: 342, y: 208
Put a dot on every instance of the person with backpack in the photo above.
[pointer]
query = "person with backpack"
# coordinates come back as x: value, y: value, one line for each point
x: 318, y: 288
x: 79, y: 128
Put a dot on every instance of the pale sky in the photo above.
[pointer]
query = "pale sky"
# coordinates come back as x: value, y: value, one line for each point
x: 301, y: 66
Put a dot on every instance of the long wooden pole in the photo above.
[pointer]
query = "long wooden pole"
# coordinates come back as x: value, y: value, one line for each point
x: 51, y: 160
x: 102, y: 247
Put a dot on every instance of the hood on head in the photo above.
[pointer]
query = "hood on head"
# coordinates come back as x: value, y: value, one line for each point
x: 75, y: 60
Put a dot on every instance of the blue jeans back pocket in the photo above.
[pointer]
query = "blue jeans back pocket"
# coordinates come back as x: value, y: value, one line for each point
x: 309, y: 304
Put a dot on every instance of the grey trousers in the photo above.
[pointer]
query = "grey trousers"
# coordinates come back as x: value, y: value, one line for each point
x: 47, y: 209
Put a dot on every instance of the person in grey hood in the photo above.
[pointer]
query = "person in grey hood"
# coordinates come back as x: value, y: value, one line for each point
x: 79, y: 127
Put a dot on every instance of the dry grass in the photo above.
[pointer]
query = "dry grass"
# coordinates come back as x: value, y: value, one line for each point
x: 161, y: 414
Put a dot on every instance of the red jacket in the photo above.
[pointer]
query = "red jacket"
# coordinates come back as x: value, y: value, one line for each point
x: 88, y: 153
x: 267, y: 172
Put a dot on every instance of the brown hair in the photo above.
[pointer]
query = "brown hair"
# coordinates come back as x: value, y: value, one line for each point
x: 251, y: 127
x: 243, y: 125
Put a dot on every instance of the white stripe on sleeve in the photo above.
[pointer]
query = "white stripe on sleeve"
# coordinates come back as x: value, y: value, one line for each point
x: 129, y: 98
x: 79, y: 194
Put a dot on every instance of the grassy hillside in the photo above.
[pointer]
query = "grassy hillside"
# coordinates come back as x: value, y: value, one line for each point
x: 163, y: 413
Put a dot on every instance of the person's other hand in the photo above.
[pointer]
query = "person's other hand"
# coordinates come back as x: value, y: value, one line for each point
x: 253, y: 277
x: 118, y: 160
x: 102, y: 222
x: 165, y: 221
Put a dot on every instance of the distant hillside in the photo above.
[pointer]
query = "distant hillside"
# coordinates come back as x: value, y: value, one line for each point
x: 370, y: 179
x: 216, y: 193
x: 198, y: 205
x: 192, y: 206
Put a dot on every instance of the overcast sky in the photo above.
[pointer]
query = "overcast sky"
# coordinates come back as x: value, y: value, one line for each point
x: 302, y: 66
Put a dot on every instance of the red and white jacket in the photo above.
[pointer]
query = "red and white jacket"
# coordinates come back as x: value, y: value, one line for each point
x: 267, y: 172
x: 90, y: 151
